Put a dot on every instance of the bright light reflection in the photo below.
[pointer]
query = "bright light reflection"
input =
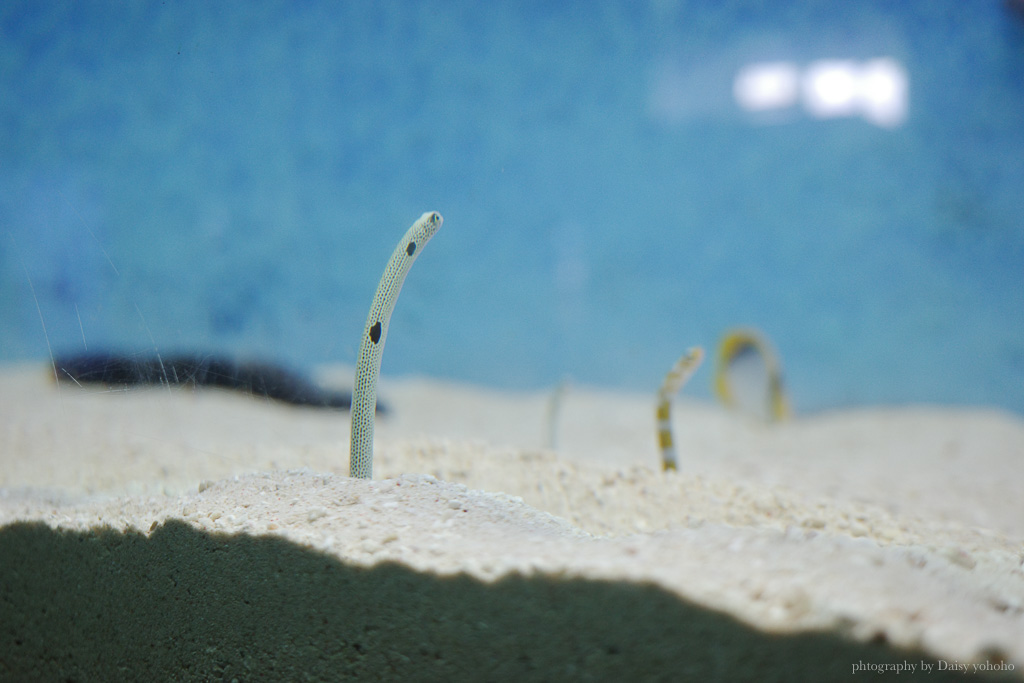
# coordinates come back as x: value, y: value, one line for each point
x: 883, y: 92
x: 830, y: 89
x: 769, y: 85
x: 876, y: 90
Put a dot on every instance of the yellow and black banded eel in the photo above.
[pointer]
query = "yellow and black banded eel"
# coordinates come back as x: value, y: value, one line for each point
x: 736, y: 343
x: 674, y: 381
x: 364, y: 395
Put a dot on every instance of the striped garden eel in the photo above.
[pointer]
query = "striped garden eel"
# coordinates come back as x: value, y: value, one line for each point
x: 674, y: 381
x: 736, y: 344
x: 364, y: 396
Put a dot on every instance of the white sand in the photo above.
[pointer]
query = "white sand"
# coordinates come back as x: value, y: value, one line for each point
x: 789, y: 552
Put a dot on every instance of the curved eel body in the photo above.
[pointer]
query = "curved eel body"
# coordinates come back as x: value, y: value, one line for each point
x: 364, y: 395
x: 674, y: 381
x: 736, y: 343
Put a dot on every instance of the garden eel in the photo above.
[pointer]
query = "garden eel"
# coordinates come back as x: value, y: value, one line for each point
x: 674, y: 381
x: 744, y: 340
x: 364, y: 396
x: 555, y: 412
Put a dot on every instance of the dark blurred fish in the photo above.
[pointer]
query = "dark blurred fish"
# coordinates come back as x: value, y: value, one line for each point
x: 255, y: 378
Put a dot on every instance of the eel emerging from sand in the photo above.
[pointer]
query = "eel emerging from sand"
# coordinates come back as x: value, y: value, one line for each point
x: 262, y: 379
x: 374, y: 336
x: 674, y: 381
x: 736, y: 345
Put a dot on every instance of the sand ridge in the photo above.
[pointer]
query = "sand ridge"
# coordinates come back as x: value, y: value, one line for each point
x: 852, y: 547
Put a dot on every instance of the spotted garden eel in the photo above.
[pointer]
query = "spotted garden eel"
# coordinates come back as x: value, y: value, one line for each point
x: 674, y: 381
x: 364, y: 396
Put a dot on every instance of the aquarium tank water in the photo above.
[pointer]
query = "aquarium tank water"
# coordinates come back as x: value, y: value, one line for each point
x: 619, y: 181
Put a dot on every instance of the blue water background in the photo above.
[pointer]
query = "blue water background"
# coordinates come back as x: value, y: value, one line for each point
x: 232, y: 176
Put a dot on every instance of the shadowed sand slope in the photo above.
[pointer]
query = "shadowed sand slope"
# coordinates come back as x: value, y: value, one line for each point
x: 185, y: 604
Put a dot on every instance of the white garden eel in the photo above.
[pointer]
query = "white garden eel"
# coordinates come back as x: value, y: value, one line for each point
x: 364, y: 397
